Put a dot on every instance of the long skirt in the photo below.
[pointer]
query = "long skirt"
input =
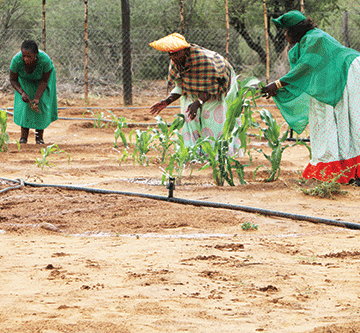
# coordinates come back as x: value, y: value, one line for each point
x: 210, y: 118
x: 335, y: 134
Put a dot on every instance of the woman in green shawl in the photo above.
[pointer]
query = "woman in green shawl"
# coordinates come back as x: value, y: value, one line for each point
x: 321, y: 89
x: 32, y: 74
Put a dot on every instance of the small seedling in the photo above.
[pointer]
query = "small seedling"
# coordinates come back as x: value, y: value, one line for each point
x: 45, y: 160
x: 178, y: 160
x: 144, y: 142
x: 4, y: 136
x: 313, y: 258
x: 301, y: 180
x: 165, y: 133
x: 121, y: 122
x: 99, y: 121
x: 275, y: 141
x: 125, y: 155
x: 248, y: 226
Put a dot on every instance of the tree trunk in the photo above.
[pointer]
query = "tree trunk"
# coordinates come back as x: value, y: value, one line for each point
x: 239, y: 26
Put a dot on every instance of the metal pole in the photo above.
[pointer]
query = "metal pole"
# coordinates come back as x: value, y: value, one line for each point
x: 227, y: 30
x: 86, y: 77
x: 267, y: 44
x: 182, y: 24
x: 44, y: 25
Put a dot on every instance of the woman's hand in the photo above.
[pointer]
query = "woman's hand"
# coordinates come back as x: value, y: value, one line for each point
x: 34, y: 104
x: 269, y: 90
x: 157, y: 107
x: 192, y: 109
x: 25, y: 97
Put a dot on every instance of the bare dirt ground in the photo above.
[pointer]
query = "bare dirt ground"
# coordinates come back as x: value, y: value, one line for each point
x: 77, y: 261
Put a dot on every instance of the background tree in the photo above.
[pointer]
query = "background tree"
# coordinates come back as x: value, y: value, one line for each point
x: 244, y: 15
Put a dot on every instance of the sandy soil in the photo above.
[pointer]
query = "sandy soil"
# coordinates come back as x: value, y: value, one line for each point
x: 78, y: 261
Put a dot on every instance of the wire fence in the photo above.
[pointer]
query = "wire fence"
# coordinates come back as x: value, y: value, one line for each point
x: 148, y: 67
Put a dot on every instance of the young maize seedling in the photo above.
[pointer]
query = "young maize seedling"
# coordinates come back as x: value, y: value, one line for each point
x: 217, y: 151
x: 272, y: 135
x: 45, y: 153
x: 121, y: 122
x: 99, y: 121
x: 144, y: 142
x: 165, y: 134
x: 178, y: 160
x: 248, y: 226
x: 4, y: 136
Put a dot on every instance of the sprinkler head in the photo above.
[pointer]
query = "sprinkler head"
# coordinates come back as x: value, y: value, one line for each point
x: 171, y: 186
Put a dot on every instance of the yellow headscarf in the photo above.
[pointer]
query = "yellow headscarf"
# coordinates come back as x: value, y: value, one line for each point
x: 171, y: 43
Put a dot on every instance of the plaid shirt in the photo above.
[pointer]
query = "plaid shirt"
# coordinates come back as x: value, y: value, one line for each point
x: 203, y: 71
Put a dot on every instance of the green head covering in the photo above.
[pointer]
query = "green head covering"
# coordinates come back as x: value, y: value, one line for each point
x: 289, y: 19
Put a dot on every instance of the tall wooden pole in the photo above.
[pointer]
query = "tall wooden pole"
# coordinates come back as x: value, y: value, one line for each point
x: 345, y: 28
x: 302, y: 6
x: 182, y: 22
x: 267, y: 44
x: 126, y: 52
x: 44, y: 25
x: 227, y: 30
x: 86, y: 77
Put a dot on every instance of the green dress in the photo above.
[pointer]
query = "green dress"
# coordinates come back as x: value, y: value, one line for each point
x: 319, y: 69
x: 24, y: 116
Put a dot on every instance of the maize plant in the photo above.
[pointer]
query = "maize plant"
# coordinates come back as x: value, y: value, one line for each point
x: 217, y: 150
x: 272, y: 135
x: 4, y: 136
x: 242, y: 107
x: 178, y: 160
x: 144, y: 142
x: 121, y: 122
x: 222, y: 163
x: 165, y: 134
x: 99, y: 121
x: 45, y: 153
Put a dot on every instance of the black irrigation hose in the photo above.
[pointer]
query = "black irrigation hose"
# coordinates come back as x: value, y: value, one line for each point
x: 269, y: 212
x: 130, y: 125
x: 170, y: 198
x: 20, y: 181
x: 128, y: 107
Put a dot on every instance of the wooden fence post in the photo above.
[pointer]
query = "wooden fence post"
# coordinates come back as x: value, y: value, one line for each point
x: 182, y: 24
x: 302, y: 6
x: 126, y: 52
x: 227, y: 30
x: 345, y: 28
x: 44, y: 25
x: 267, y: 44
x: 86, y: 77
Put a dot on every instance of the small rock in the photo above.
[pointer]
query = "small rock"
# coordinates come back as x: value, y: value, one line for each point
x: 49, y: 226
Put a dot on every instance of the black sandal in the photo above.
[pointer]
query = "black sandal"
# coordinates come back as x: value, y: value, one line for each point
x: 355, y: 182
x: 23, y: 140
x: 39, y: 141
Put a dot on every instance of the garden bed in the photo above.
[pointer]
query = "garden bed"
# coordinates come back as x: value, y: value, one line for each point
x: 82, y: 261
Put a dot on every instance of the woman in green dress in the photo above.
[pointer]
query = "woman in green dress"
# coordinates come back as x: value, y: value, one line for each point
x: 321, y: 89
x: 32, y: 74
